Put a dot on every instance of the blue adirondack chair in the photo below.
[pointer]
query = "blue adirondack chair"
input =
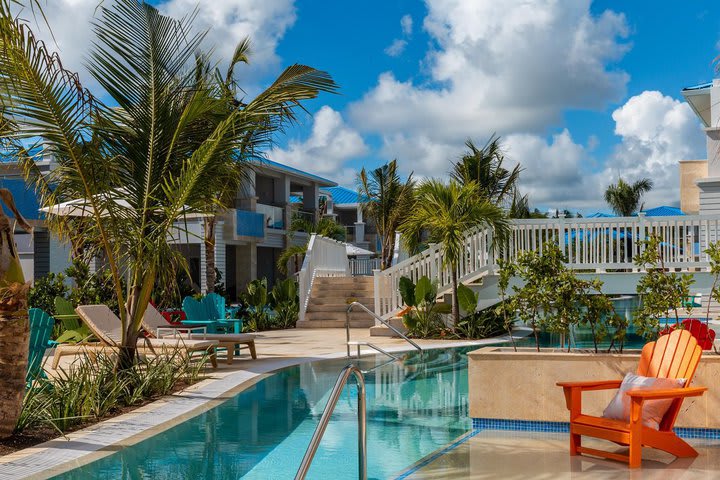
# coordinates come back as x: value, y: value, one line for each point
x: 215, y: 305
x: 197, y: 313
x: 41, y: 326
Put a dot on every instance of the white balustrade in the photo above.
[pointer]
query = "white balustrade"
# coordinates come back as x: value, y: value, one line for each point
x: 596, y: 244
x: 325, y: 257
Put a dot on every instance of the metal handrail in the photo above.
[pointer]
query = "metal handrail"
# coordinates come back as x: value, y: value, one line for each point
x: 378, y: 318
x: 325, y: 419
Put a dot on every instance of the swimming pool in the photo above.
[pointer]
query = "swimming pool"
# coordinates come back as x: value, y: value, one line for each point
x: 415, y: 406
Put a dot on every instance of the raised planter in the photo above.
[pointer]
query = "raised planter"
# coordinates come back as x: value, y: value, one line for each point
x: 521, y: 385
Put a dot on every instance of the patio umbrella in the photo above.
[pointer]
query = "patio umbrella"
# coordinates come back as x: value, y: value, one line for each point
x: 81, y: 207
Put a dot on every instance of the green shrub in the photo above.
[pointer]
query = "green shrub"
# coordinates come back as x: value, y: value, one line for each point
x: 285, y: 304
x: 425, y: 317
x: 91, y: 389
x: 42, y: 294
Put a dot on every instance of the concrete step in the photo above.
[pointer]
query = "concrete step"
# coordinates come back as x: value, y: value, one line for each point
x: 333, y: 307
x: 368, y: 301
x: 334, y: 323
x: 369, y: 281
x: 336, y: 315
x: 383, y: 331
x: 344, y: 293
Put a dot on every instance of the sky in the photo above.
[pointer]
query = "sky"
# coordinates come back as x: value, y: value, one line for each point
x: 580, y: 92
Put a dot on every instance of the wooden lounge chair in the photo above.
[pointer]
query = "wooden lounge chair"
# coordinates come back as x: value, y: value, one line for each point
x: 105, y: 325
x: 152, y: 320
x: 672, y: 356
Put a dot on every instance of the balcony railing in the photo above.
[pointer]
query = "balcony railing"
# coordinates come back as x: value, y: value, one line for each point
x: 250, y: 224
x: 274, y: 216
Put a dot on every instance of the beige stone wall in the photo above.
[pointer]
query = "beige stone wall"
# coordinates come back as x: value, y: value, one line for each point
x: 521, y: 385
x: 690, y: 171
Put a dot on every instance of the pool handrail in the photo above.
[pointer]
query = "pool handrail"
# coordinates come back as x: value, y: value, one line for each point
x: 325, y: 419
x: 377, y: 317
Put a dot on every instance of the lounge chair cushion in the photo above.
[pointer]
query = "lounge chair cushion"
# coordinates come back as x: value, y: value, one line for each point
x: 653, y: 410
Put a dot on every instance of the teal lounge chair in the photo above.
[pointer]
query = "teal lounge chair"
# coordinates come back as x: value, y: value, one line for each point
x: 41, y: 326
x: 197, y: 313
x: 216, y: 304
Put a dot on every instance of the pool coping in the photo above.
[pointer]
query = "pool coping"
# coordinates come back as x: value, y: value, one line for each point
x: 105, y: 438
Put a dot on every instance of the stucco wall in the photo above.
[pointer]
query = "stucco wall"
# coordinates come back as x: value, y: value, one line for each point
x: 521, y: 385
x: 690, y: 171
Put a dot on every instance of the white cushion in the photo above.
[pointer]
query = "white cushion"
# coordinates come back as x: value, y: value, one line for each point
x: 653, y: 410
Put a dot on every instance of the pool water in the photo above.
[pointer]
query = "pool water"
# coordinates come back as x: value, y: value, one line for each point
x: 414, y: 406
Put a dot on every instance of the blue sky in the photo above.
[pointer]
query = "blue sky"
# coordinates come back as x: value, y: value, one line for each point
x: 581, y: 92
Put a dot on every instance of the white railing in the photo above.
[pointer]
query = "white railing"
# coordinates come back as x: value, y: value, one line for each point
x: 363, y: 266
x: 274, y: 216
x: 324, y: 258
x: 589, y: 243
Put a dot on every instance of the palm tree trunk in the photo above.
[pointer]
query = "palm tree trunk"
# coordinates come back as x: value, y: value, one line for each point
x: 455, y: 302
x: 13, y: 365
x: 210, y: 223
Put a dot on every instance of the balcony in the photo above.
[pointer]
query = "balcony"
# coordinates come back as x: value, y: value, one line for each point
x: 274, y: 217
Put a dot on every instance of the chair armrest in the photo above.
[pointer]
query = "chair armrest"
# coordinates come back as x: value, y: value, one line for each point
x: 592, y: 384
x: 666, y: 393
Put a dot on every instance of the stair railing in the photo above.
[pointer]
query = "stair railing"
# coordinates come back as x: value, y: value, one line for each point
x: 379, y: 319
x: 324, y: 257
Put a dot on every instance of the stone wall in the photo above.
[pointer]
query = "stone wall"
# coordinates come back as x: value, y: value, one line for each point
x: 521, y: 385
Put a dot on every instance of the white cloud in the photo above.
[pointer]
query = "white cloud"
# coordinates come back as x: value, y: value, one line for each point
x: 406, y: 23
x: 504, y: 67
x: 656, y: 132
x: 327, y: 150
x: 227, y: 21
x: 396, y: 48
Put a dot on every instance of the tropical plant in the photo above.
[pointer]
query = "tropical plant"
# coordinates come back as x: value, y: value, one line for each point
x: 14, y: 326
x: 423, y: 315
x: 484, y: 167
x: 446, y: 213
x: 505, y: 308
x: 660, y: 291
x: 285, y: 303
x: 474, y: 324
x: 597, y: 313
x: 625, y: 198
x: 256, y: 299
x: 387, y: 201
x: 166, y: 148
x: 42, y: 294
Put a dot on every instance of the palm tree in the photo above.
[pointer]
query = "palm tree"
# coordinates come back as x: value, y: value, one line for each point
x: 167, y: 149
x: 484, y: 166
x: 387, y: 201
x: 13, y: 320
x: 447, y: 212
x: 624, y: 198
x: 327, y: 227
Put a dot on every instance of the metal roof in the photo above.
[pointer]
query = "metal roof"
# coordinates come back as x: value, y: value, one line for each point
x: 600, y: 215
x: 663, y: 211
x: 698, y: 87
x: 264, y: 162
x: 343, y: 195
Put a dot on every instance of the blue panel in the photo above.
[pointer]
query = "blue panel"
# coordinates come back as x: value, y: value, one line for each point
x: 25, y: 198
x: 250, y: 224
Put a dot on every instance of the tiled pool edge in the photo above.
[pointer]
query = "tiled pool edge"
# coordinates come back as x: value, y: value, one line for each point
x: 479, y: 424
x: 85, y: 446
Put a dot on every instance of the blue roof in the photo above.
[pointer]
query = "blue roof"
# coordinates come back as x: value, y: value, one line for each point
x: 698, y: 87
x: 26, y: 200
x: 600, y: 215
x: 343, y: 195
x: 285, y: 168
x: 5, y: 157
x: 663, y: 211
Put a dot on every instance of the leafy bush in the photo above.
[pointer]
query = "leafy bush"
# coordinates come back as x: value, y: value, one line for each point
x: 424, y: 316
x: 473, y: 324
x: 285, y: 304
x: 91, y: 288
x: 42, y: 294
x: 258, y: 315
x: 91, y: 389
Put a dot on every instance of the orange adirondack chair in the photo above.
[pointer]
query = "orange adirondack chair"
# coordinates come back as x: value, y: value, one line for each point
x: 671, y: 356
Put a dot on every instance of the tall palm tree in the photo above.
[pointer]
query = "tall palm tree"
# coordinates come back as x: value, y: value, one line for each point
x: 166, y: 149
x: 624, y: 198
x: 447, y: 212
x: 387, y: 200
x: 484, y: 166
